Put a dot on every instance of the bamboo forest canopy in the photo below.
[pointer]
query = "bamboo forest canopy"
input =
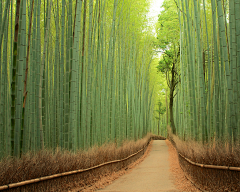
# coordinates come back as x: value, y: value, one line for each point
x: 207, y: 98
x: 74, y: 74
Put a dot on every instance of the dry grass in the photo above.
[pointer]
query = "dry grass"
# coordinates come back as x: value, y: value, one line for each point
x: 216, y: 153
x: 180, y: 181
x: 109, y: 178
x: 44, y: 163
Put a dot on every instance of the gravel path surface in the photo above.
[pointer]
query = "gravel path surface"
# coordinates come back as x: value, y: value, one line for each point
x: 153, y: 174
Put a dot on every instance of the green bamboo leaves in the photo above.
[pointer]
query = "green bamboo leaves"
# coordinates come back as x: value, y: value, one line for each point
x: 75, y: 74
x: 211, y: 89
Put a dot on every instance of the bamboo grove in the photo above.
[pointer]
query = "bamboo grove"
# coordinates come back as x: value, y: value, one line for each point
x: 73, y: 74
x: 207, y: 103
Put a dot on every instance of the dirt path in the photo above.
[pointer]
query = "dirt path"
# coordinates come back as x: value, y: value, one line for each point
x: 152, y: 174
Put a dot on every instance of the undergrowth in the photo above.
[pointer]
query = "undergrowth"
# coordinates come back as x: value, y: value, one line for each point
x: 47, y: 162
x: 216, y: 153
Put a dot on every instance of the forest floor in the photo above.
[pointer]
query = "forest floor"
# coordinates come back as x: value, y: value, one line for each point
x: 159, y: 171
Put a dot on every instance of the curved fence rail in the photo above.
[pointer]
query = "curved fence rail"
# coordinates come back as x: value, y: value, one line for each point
x: 210, y: 166
x: 196, y: 185
x: 209, y: 177
x: 36, y: 180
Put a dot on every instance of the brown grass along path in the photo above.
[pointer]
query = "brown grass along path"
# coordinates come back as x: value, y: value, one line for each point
x: 180, y: 181
x: 157, y: 170
x: 48, y: 163
x: 109, y: 178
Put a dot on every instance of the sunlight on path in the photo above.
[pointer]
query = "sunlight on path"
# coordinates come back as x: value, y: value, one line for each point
x: 150, y: 175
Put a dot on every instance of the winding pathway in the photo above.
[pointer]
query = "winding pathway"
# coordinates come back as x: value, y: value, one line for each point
x: 151, y: 175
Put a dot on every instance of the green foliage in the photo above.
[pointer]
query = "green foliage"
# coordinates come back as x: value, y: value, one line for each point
x: 89, y: 78
x: 168, y: 42
x: 158, y: 83
x: 161, y: 110
x: 168, y: 26
x: 165, y: 64
x: 168, y: 38
x: 208, y: 65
